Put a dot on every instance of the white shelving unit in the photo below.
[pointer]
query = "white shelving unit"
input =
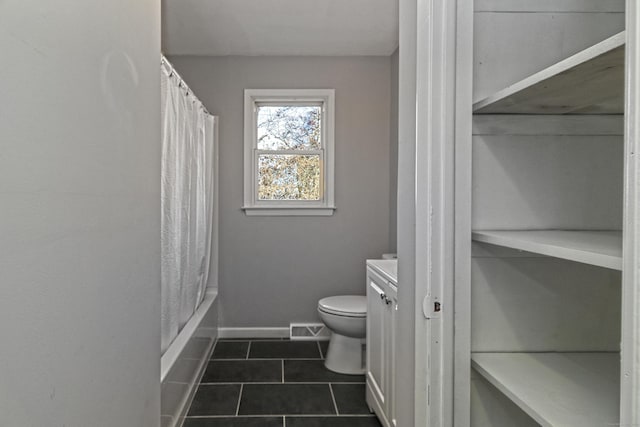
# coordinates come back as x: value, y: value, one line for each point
x: 589, y: 82
x: 522, y: 123
x: 600, y: 248
x: 557, y: 389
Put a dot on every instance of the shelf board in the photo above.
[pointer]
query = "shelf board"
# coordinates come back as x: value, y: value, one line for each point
x: 601, y: 248
x: 589, y: 82
x: 557, y: 389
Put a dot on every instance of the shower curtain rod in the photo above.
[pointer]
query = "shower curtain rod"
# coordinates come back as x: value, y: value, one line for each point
x: 181, y: 83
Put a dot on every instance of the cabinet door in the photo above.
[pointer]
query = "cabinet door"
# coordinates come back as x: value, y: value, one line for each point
x: 390, y: 355
x: 377, y: 328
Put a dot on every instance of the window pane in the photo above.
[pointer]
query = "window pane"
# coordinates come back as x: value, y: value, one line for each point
x: 288, y: 177
x: 289, y: 127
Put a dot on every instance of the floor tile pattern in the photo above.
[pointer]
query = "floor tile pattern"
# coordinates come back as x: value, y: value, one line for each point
x: 277, y: 383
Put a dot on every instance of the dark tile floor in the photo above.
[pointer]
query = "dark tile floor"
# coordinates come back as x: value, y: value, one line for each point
x: 277, y: 383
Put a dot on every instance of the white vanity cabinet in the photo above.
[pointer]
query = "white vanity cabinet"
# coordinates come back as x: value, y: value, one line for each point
x: 382, y: 304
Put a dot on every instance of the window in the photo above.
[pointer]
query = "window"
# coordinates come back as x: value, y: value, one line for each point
x: 288, y: 152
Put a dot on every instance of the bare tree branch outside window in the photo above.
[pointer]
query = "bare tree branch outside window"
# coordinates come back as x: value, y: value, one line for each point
x: 289, y: 176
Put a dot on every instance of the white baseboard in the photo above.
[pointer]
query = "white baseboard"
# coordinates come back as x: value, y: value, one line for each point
x: 253, y: 332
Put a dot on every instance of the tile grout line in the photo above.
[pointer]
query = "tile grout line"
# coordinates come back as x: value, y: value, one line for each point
x: 282, y: 371
x: 248, y: 350
x: 213, y: 417
x: 235, y: 359
x: 239, y: 399
x: 320, y: 350
x: 333, y: 397
x: 280, y: 382
x: 284, y: 421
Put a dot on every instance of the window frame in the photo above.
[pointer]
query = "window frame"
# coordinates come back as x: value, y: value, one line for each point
x: 253, y: 98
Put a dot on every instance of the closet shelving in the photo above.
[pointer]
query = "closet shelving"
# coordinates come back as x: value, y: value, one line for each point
x: 562, y: 389
x: 601, y: 248
x: 589, y: 82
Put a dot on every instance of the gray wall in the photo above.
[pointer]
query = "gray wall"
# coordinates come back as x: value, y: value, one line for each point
x: 393, y: 154
x: 273, y: 270
x: 79, y: 216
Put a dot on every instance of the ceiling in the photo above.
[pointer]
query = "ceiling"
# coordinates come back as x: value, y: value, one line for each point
x: 280, y: 27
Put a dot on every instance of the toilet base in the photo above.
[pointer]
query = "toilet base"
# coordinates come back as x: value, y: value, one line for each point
x: 345, y: 355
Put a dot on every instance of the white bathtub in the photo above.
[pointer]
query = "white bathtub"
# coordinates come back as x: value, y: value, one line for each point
x: 184, y: 362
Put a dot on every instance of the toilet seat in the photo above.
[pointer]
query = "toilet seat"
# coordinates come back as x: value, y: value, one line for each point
x: 344, y: 305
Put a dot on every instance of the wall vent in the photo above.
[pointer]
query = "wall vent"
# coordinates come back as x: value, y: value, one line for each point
x: 308, y: 331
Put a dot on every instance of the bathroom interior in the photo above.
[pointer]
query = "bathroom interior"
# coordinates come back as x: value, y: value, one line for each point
x: 454, y: 256
x: 285, y: 273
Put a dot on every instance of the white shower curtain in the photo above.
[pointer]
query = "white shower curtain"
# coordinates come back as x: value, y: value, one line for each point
x: 187, y: 203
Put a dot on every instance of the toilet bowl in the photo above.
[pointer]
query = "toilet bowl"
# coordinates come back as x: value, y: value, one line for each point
x: 346, y: 317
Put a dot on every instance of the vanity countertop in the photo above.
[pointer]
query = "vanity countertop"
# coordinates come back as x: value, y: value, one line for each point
x: 387, y: 268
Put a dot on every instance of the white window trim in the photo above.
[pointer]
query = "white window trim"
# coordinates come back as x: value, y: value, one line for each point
x: 252, y: 206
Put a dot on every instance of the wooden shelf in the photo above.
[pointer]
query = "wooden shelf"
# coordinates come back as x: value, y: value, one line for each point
x: 589, y: 82
x: 557, y: 389
x: 601, y: 248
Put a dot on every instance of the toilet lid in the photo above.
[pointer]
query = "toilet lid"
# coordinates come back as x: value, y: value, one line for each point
x: 345, y: 305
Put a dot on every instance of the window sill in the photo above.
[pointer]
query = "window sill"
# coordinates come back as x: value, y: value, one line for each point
x: 288, y: 211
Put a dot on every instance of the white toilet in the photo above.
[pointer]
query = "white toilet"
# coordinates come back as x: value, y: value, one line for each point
x: 346, y: 317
